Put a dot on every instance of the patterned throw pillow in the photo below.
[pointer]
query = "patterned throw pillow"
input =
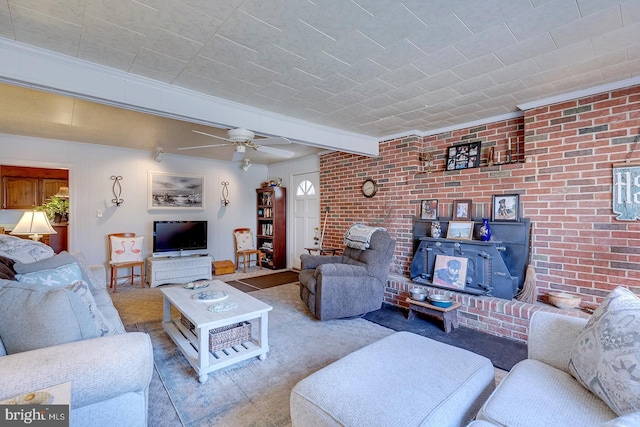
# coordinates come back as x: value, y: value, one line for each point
x: 606, y: 356
x: 103, y: 325
x: 126, y: 249
x: 244, y: 241
x: 54, y: 277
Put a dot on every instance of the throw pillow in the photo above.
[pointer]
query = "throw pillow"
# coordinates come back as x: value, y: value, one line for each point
x: 103, y: 325
x: 606, y: 356
x: 628, y: 420
x: 36, y: 316
x: 59, y: 276
x: 63, y: 258
x: 244, y: 241
x: 126, y: 249
x: 6, y: 268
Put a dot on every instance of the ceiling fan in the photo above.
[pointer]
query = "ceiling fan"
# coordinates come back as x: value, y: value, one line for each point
x: 243, y: 139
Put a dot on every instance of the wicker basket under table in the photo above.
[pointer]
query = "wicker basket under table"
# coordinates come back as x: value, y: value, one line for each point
x: 225, y: 336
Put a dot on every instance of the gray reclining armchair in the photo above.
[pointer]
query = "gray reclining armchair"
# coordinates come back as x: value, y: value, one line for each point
x: 352, y: 284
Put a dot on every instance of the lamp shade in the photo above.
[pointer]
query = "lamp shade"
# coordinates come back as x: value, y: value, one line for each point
x: 34, y: 224
x: 63, y: 193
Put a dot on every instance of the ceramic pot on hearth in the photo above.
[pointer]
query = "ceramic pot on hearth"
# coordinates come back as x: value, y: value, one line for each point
x: 485, y: 230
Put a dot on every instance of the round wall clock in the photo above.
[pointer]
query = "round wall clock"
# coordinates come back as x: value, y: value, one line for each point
x: 369, y: 188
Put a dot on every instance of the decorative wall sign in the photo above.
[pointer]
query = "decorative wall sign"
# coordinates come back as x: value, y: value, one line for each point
x: 626, y: 191
x: 175, y: 191
x: 463, y: 156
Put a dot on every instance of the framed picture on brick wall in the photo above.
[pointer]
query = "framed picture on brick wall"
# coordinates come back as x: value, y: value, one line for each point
x: 462, y: 210
x: 463, y: 156
x: 429, y: 209
x: 506, y: 207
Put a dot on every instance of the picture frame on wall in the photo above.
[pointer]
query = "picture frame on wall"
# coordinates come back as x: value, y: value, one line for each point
x: 463, y: 156
x: 450, y: 271
x: 462, y: 210
x: 505, y: 207
x: 429, y: 209
x: 462, y: 230
x: 167, y: 191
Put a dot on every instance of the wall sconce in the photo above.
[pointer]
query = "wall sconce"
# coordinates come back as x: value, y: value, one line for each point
x: 225, y: 193
x: 117, y: 190
x: 158, y: 156
x: 427, y: 163
x: 247, y: 164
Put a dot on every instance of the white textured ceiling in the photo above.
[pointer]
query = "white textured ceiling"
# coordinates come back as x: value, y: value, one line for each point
x: 373, y: 67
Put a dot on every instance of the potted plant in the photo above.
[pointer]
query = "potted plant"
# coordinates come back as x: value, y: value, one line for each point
x: 57, y: 209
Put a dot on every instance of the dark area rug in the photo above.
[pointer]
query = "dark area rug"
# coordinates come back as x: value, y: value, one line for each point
x: 270, y: 280
x: 503, y: 352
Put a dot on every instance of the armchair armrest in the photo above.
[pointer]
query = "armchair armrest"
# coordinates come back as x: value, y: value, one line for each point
x: 551, y: 338
x: 98, y: 275
x: 98, y: 369
x: 310, y: 262
x: 345, y: 270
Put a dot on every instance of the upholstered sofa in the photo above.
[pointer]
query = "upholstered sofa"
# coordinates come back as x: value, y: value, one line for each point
x: 540, y: 390
x: 109, y: 371
x: 351, y: 284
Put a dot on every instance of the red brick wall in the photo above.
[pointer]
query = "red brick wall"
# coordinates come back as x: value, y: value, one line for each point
x: 565, y: 188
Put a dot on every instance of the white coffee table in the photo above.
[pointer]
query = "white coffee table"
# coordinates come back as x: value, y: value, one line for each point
x: 190, y: 343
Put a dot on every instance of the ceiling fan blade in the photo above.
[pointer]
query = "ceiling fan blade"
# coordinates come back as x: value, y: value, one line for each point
x: 201, y: 146
x: 211, y: 135
x: 275, y: 140
x: 275, y: 152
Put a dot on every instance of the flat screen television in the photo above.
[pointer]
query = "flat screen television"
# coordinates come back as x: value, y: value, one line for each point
x: 179, y: 236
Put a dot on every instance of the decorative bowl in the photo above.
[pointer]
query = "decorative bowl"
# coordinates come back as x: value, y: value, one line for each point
x: 419, y: 294
x: 441, y: 301
x: 564, y: 300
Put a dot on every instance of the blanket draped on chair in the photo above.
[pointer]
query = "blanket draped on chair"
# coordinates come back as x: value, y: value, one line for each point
x: 358, y: 236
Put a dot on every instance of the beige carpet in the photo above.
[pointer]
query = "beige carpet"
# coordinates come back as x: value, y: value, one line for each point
x: 253, y: 392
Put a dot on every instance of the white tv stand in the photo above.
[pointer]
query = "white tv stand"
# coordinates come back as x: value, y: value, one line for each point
x: 163, y: 270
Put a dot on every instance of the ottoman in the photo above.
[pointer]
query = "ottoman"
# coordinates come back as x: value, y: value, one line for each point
x: 401, y: 380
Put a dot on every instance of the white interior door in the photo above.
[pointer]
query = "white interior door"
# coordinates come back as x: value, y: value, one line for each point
x: 306, y: 207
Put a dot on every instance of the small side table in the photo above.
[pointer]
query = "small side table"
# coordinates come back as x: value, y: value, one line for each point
x: 448, y: 315
x: 323, y: 251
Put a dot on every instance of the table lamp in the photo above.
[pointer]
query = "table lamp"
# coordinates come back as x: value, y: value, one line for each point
x: 35, y: 224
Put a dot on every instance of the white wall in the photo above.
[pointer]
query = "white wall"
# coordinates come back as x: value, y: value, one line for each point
x: 90, y: 168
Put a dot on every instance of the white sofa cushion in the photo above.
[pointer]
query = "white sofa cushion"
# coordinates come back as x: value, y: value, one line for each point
x: 536, y: 394
x: 606, y: 356
x: 36, y: 316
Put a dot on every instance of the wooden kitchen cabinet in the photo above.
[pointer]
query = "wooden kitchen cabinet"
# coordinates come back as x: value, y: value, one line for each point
x: 26, y: 187
x: 20, y: 193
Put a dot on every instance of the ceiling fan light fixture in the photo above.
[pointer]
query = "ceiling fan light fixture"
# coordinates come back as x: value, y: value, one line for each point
x: 241, y: 149
x: 240, y: 135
